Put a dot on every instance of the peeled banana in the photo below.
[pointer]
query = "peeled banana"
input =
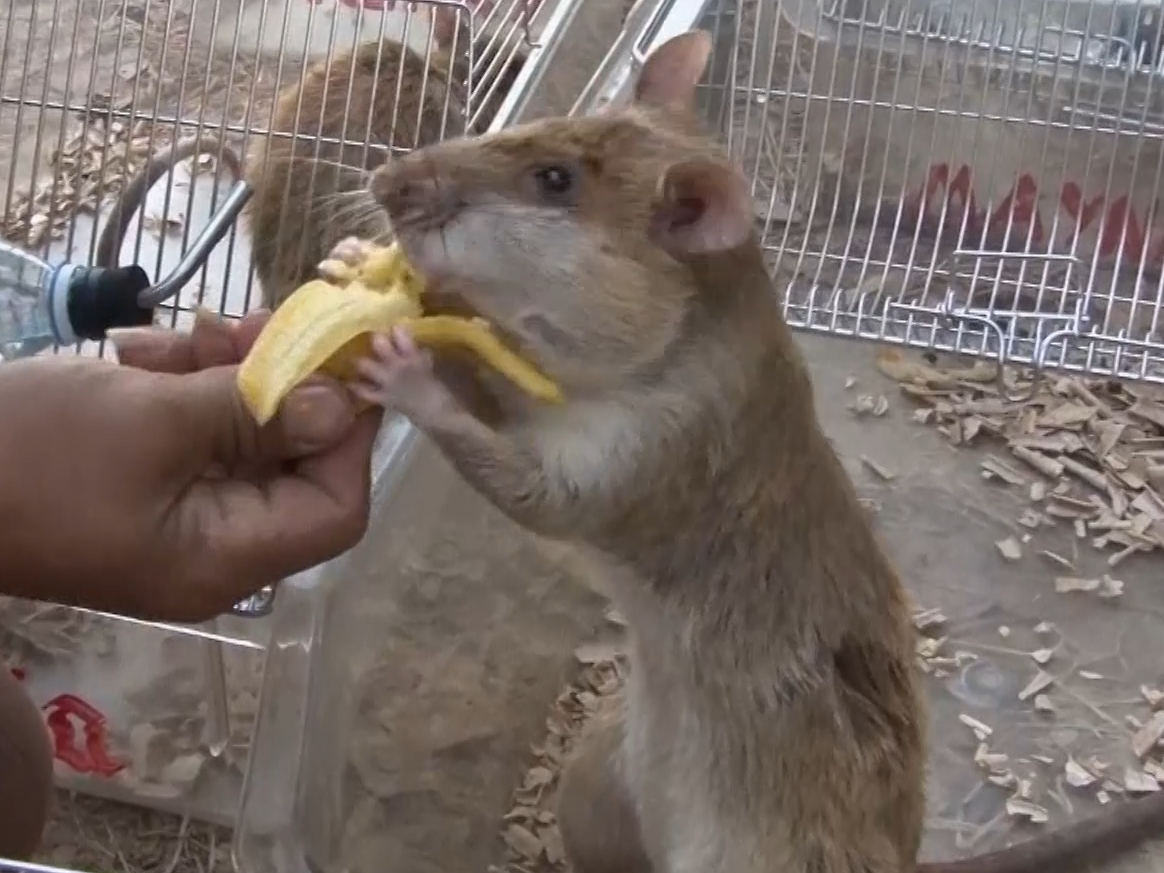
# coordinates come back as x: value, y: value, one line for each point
x: 326, y: 326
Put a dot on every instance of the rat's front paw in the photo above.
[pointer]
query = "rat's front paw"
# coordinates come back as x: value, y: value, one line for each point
x: 399, y: 376
x: 344, y: 259
x: 351, y: 251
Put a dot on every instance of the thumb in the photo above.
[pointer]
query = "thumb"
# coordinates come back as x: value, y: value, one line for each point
x: 313, y: 417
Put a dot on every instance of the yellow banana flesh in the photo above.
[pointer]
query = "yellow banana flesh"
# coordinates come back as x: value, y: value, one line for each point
x: 326, y: 327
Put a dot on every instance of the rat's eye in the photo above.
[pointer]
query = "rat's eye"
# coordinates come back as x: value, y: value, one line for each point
x: 555, y: 181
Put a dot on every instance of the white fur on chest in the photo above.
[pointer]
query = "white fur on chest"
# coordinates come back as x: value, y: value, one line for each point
x: 590, y: 445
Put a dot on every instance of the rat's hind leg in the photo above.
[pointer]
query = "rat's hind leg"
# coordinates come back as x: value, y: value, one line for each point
x: 596, y: 815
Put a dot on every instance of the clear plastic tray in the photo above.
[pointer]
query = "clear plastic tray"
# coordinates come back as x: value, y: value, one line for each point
x: 402, y: 698
x: 408, y: 679
x: 141, y: 713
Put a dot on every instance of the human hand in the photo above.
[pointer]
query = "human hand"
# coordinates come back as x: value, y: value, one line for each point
x: 147, y: 489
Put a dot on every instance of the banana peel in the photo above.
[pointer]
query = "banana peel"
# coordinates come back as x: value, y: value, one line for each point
x: 326, y: 326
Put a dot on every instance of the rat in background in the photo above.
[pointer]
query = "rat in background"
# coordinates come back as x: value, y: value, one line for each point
x: 308, y: 195
x: 774, y: 718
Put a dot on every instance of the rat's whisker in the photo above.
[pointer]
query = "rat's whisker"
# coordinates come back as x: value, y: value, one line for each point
x: 358, y: 214
x: 359, y: 195
x: 285, y: 160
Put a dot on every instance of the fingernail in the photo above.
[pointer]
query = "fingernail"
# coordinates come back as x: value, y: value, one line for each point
x: 131, y: 339
x: 315, y: 416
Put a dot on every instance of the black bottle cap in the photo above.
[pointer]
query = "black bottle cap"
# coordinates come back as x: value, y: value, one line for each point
x: 101, y: 299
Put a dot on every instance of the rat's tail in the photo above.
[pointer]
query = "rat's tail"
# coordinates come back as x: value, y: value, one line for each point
x: 1072, y: 847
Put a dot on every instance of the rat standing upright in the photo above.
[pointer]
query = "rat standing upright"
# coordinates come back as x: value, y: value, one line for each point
x: 774, y: 721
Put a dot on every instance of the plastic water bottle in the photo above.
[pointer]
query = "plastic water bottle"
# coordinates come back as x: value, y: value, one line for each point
x: 42, y: 304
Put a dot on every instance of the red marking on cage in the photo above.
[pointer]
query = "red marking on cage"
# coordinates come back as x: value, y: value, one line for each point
x: 1117, y: 228
x: 93, y: 756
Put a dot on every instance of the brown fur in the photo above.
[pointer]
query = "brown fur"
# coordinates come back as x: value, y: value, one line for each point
x: 774, y: 718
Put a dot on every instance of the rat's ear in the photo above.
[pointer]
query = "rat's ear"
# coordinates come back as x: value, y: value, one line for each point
x: 672, y: 71
x: 701, y: 206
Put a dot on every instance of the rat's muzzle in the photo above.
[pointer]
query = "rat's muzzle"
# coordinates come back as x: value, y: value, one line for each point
x: 415, y: 200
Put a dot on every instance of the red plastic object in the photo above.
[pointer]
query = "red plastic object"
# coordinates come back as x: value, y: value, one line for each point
x: 93, y: 757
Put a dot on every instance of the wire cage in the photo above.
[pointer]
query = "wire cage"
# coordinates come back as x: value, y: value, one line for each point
x: 91, y: 91
x: 976, y: 177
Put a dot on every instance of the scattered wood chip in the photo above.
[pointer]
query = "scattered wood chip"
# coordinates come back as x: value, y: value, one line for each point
x: 988, y: 760
x: 1041, y: 681
x: 1021, y: 808
x: 523, y: 842
x: 996, y: 467
x: 1068, y: 584
x: 1010, y: 549
x: 1109, y: 587
x: 879, y: 470
x: 867, y: 404
x: 1147, y: 412
x: 1137, y: 782
x: 1105, y: 586
x: 926, y: 619
x: 1043, y: 656
x: 928, y: 647
x: 1049, y: 467
x: 981, y: 731
x: 1057, y: 559
x: 1043, y: 703
x: 551, y: 839
x: 1097, y: 444
x: 1077, y: 775
x: 1147, y: 736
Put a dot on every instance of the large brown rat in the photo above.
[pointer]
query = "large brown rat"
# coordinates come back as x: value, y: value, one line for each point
x: 308, y: 195
x: 774, y: 719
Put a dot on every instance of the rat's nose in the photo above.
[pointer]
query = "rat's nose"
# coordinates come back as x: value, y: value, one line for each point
x: 404, y: 193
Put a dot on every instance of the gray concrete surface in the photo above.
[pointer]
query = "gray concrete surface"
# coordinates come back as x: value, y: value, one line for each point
x: 940, y: 521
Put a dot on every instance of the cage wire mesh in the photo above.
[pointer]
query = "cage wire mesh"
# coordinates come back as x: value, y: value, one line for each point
x: 92, y: 90
x: 974, y: 176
